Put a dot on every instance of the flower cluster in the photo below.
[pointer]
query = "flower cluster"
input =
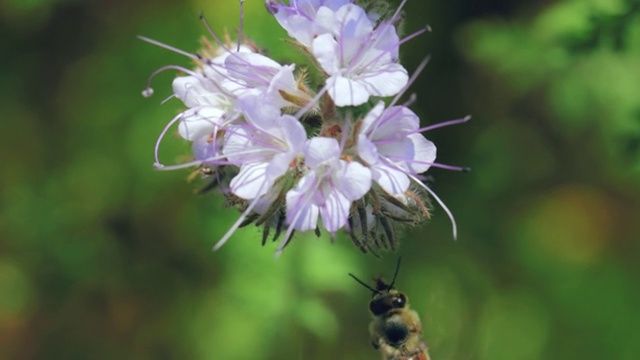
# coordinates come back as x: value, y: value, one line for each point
x: 292, y: 155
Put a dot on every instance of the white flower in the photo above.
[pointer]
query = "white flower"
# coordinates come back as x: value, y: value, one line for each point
x: 328, y: 189
x: 211, y: 93
x: 360, y: 59
x: 264, y: 146
x: 306, y: 19
x: 389, y: 143
x: 257, y: 74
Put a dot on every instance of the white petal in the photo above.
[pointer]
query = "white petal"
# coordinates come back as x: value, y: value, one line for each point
x: 198, y: 123
x: 353, y: 31
x: 301, y: 212
x: 346, y: 92
x: 371, y: 119
x: 335, y: 212
x: 258, y: 112
x: 367, y: 150
x: 283, y: 81
x: 387, y: 80
x: 204, y: 148
x: 425, y: 151
x: 320, y: 149
x: 325, y: 49
x: 353, y: 180
x: 248, y: 184
x: 294, y: 133
x: 195, y: 91
x: 236, y: 144
x: 278, y: 165
x: 395, y: 122
x: 391, y: 180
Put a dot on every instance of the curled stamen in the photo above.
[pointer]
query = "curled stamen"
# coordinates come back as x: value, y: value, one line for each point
x: 162, y: 134
x: 148, y: 91
x: 441, y: 203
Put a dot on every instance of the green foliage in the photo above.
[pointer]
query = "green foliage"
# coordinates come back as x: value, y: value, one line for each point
x: 582, y: 54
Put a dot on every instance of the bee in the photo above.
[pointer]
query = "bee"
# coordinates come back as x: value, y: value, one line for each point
x: 396, y: 328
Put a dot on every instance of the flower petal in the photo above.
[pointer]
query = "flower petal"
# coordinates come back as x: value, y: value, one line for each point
x: 320, y: 149
x: 335, y: 211
x: 347, y: 92
x: 367, y: 151
x: 390, y: 180
x: 386, y: 80
x: 196, y: 123
x: 425, y: 152
x: 302, y: 213
x: 250, y: 181
x: 353, y: 180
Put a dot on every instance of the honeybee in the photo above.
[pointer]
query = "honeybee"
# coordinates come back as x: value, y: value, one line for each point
x: 396, y: 328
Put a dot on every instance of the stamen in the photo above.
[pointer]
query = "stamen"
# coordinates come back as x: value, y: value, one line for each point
x: 434, y: 164
x: 443, y: 124
x: 241, y: 25
x: 441, y: 203
x: 148, y: 91
x: 395, y: 14
x: 412, y: 79
x: 315, y: 99
x: 217, y: 39
x: 412, y: 36
x: 240, y: 220
x: 388, y: 49
x: 212, y: 33
x: 169, y: 47
x: 162, y: 167
x: 271, y: 6
x: 166, y: 99
x: 162, y: 134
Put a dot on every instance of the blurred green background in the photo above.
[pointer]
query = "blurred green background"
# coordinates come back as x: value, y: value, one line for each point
x: 101, y: 257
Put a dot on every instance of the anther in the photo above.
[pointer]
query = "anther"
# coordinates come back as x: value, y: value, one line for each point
x: 147, y: 92
x: 271, y: 7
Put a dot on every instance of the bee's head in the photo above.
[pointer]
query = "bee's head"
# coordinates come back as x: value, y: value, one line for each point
x: 387, y: 301
x: 385, y: 297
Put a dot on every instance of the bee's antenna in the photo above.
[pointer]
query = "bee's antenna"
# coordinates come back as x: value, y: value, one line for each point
x: 364, y: 284
x: 395, y: 275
